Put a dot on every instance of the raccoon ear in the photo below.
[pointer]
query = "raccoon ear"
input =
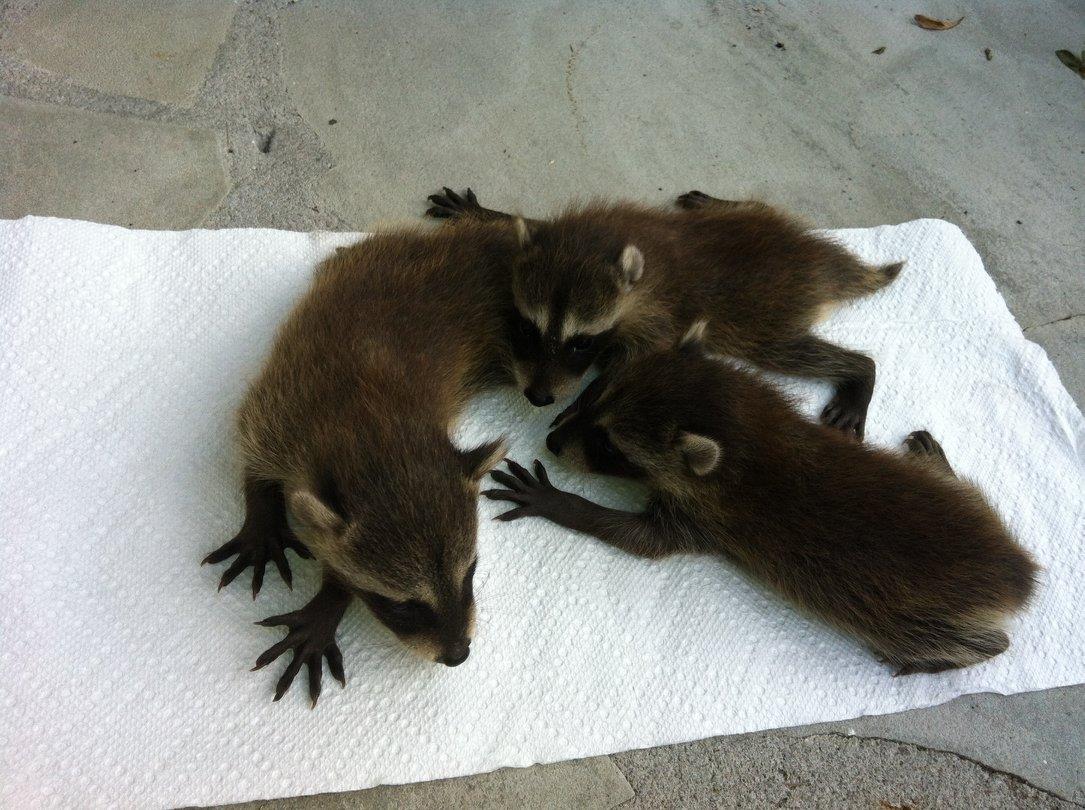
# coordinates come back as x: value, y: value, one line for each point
x: 482, y: 459
x: 523, y: 232
x: 693, y: 340
x: 631, y: 263
x: 700, y: 453
x: 313, y: 514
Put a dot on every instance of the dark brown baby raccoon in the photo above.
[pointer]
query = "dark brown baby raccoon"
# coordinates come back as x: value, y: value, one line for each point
x: 347, y: 430
x: 891, y: 548
x: 608, y: 281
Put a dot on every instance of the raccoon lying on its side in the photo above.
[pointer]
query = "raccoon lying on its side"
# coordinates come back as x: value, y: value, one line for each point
x: 893, y: 549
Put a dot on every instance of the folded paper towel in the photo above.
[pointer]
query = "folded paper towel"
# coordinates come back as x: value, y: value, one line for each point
x: 124, y: 675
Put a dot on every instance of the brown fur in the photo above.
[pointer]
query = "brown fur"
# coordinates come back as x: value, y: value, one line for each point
x: 892, y: 548
x: 349, y: 424
x: 762, y: 278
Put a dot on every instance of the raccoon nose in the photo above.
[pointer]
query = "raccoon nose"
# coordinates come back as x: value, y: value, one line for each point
x: 538, y: 398
x: 455, y: 654
x: 553, y: 443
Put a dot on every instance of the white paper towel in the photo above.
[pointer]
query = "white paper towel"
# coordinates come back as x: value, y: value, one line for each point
x: 124, y: 676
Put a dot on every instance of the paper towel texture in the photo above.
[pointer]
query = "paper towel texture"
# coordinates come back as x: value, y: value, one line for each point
x: 124, y: 676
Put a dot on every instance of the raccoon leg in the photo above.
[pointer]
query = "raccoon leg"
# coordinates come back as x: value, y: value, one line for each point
x: 694, y: 200
x: 650, y: 534
x: 852, y: 374
x: 312, y: 637
x: 924, y: 446
x: 450, y: 205
x: 264, y: 536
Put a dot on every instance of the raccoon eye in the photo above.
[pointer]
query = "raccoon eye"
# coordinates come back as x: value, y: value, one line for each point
x: 411, y: 607
x: 606, y: 446
x: 409, y: 616
x: 581, y: 343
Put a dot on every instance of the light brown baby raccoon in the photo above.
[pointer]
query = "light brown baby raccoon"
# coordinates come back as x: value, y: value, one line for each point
x: 893, y: 549
x: 347, y: 430
x: 609, y: 281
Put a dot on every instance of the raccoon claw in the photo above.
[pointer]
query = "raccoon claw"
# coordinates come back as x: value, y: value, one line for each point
x: 533, y: 495
x: 311, y: 635
x: 922, y: 444
x: 450, y: 205
x: 846, y: 412
x: 256, y: 547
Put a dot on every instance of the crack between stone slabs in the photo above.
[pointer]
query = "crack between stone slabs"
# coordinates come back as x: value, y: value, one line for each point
x: 570, y: 69
x: 988, y: 768
x: 1057, y: 320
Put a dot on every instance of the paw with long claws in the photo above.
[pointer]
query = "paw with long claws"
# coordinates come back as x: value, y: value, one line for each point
x: 311, y: 635
x: 259, y: 541
x: 533, y: 495
x: 450, y: 205
x: 922, y: 444
x: 847, y: 409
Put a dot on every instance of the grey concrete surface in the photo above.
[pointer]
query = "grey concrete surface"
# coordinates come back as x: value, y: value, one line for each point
x: 1038, y: 736
x: 535, y: 103
x: 530, y: 105
x: 158, y: 50
x: 72, y: 163
x: 584, y: 784
x: 764, y: 770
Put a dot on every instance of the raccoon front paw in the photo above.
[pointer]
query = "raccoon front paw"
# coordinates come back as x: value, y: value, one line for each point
x: 312, y: 638
x: 451, y: 205
x: 254, y: 545
x: 534, y: 495
x: 847, y: 411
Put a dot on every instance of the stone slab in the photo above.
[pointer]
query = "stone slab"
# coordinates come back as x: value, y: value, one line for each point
x: 157, y: 50
x: 65, y: 162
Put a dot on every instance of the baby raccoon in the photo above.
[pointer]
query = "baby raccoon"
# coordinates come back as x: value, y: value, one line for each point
x: 609, y: 281
x: 347, y: 430
x: 891, y: 548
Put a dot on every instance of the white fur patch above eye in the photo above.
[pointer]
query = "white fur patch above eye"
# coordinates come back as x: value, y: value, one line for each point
x: 538, y: 315
x: 572, y: 325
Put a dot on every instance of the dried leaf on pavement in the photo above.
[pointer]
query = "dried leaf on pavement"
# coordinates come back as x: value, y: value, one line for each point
x: 931, y: 24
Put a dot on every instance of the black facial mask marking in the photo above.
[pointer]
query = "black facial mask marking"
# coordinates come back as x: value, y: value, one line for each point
x: 413, y: 616
x: 524, y: 335
x: 603, y: 457
x: 580, y: 351
x: 403, y: 618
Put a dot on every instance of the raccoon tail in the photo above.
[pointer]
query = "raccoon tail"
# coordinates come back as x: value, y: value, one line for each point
x: 958, y: 653
x: 878, y: 276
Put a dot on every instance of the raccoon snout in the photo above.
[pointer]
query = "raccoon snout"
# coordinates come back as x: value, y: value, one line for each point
x: 537, y: 397
x: 455, y: 653
x: 553, y: 443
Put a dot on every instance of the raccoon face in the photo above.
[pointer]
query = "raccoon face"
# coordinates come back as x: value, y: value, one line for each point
x: 641, y: 421
x: 568, y: 306
x: 406, y: 546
